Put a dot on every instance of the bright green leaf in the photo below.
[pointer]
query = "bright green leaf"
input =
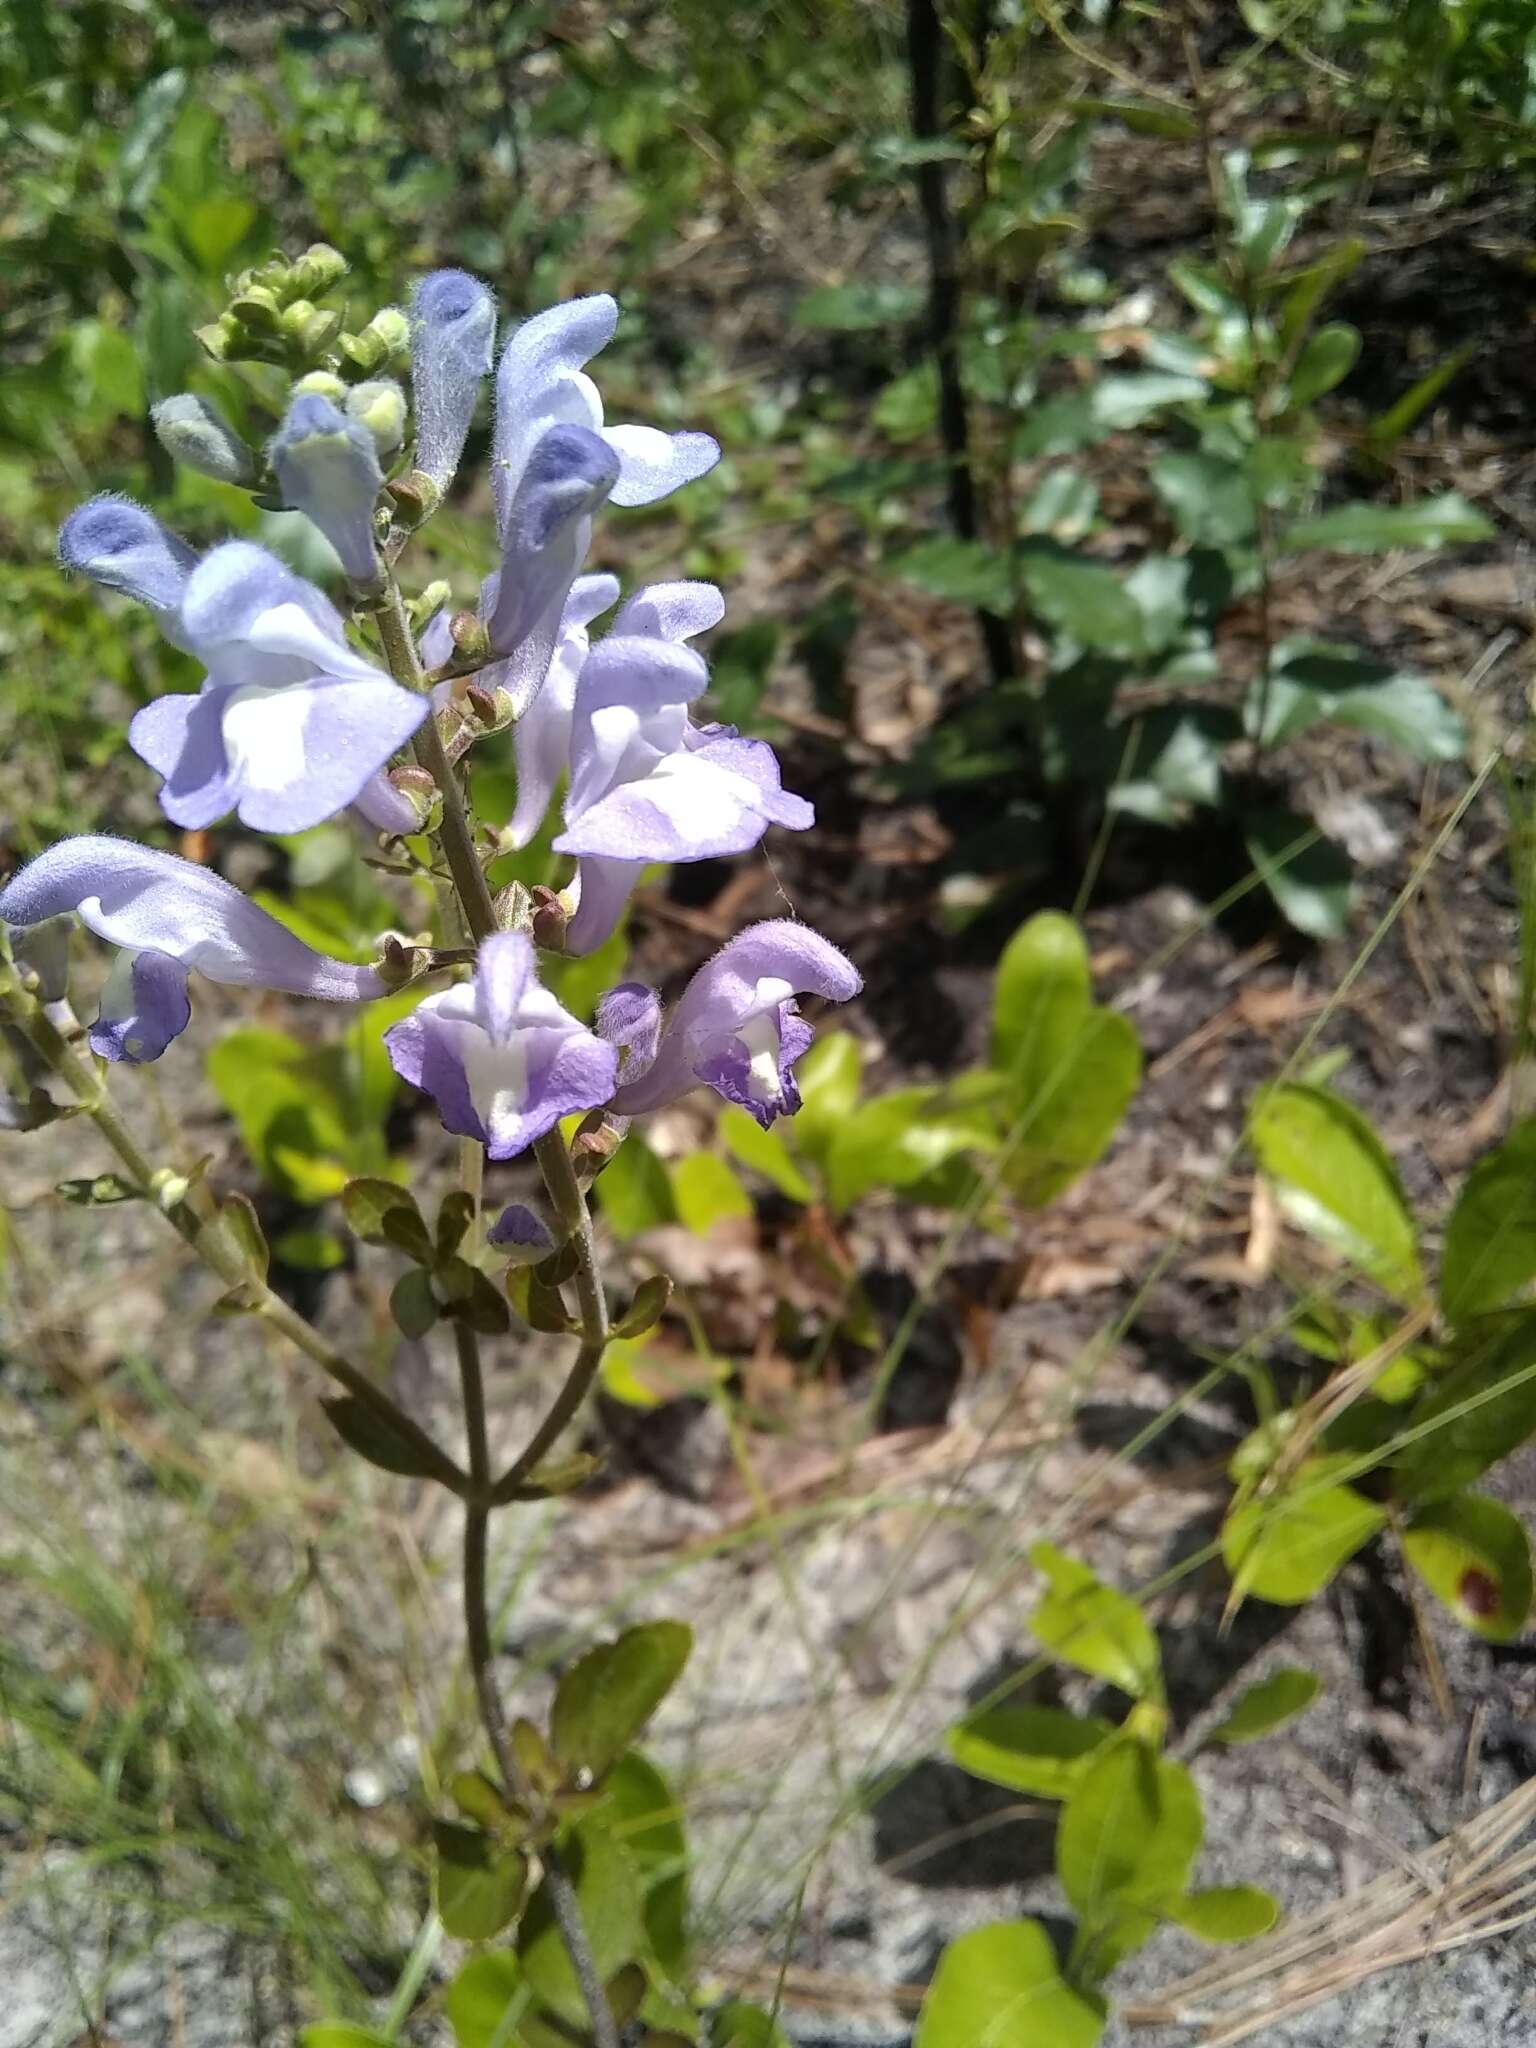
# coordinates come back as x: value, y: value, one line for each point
x: 706, y: 1191
x: 1001, y: 1987
x: 1363, y: 528
x: 338, y: 2034
x: 1226, y: 1912
x: 609, y: 1896
x: 1210, y: 499
x: 1286, y: 1548
x: 634, y: 1191
x: 829, y: 1078
x: 1268, y: 1705
x: 1489, y: 1259
x: 1336, y: 1180
x: 609, y: 1694
x: 1039, y: 1750
x: 647, y: 1822
x: 1125, y: 1843
x: 893, y: 1140
x: 1327, y: 359
x: 958, y: 572
x: 765, y: 1152
x: 480, y: 1884
x: 1081, y: 599
x: 1091, y: 1626
x: 745, y: 2026
x: 1475, y: 1555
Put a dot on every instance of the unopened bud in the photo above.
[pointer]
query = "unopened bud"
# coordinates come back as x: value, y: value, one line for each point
x: 196, y: 434
x: 318, y: 269
x: 223, y: 338
x: 380, y: 407
x: 429, y: 602
x: 482, y: 702
x: 471, y: 641
x: 397, y: 960
x: 416, y: 497
x: 257, y: 309
x: 591, y: 1149
x: 328, y: 468
x: 405, y: 800
x: 307, y: 329
x: 549, y: 919
x: 322, y: 384
x: 169, y: 1189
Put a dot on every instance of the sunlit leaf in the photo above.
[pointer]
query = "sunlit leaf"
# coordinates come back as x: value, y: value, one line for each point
x: 1001, y: 1987
x: 1287, y: 1547
x: 1489, y: 1258
x: 1226, y: 1912
x: 1039, y: 1750
x: 1474, y: 1554
x: 608, y: 1695
x: 1268, y: 1705
x: 1336, y: 1179
x: 1091, y: 1626
x: 1364, y: 528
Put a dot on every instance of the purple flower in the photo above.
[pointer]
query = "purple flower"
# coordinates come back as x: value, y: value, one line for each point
x: 646, y: 784
x: 122, y: 547
x: 540, y: 381
x: 522, y: 1233
x: 503, y: 1059
x: 629, y: 1017
x: 453, y: 331
x: 328, y: 468
x: 291, y: 724
x: 736, y: 1026
x: 542, y: 735
x: 170, y: 917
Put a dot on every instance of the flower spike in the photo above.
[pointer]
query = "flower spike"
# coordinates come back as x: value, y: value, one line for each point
x: 122, y: 547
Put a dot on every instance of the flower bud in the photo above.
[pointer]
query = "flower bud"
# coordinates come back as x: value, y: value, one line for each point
x: 549, y: 919
x: 196, y: 434
x: 405, y: 800
x: 383, y: 339
x: 327, y: 468
x: 415, y: 496
x: 318, y: 269
x: 257, y: 309
x: 122, y: 547
x: 453, y: 332
x: 322, y: 384
x: 224, y: 338
x: 309, y: 330
x: 429, y: 602
x: 471, y: 641
x: 380, y: 407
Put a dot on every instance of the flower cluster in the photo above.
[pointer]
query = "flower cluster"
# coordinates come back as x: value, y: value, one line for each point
x: 292, y: 725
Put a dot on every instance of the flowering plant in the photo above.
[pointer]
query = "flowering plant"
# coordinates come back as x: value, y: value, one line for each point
x: 295, y: 723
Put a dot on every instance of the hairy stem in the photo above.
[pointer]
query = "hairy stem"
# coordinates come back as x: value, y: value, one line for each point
x: 458, y: 845
x: 194, y: 1215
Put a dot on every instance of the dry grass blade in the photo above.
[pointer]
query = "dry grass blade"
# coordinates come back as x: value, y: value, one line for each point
x: 1474, y: 1884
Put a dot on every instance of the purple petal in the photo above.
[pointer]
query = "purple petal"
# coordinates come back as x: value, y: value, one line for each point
x: 671, y: 611
x: 428, y: 1052
x: 453, y: 334
x: 736, y: 1012
x: 542, y: 736
x: 504, y: 967
x: 143, y: 1007
x: 539, y: 382
x: 182, y: 739
x: 568, y: 476
x: 689, y: 808
x: 518, y: 1229
x: 641, y: 673
x: 301, y: 754
x: 328, y: 468
x: 629, y: 1018
x: 756, y: 762
x: 652, y: 464
x: 386, y: 809
x: 122, y: 547
x: 137, y: 897
x: 605, y: 890
x: 234, y: 586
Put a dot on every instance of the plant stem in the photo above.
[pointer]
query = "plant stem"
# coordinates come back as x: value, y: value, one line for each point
x: 195, y: 1216
x: 458, y: 844
x: 570, y: 1206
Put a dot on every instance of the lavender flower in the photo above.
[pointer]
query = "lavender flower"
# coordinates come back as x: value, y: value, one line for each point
x: 736, y: 1026
x: 170, y: 917
x: 453, y: 331
x: 504, y: 1061
x: 328, y: 468
x: 542, y: 735
x: 122, y: 547
x: 526, y: 1236
x: 645, y: 783
x: 290, y: 724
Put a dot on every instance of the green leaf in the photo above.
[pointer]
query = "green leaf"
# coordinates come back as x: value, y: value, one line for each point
x: 1363, y: 528
x: 1130, y: 398
x: 633, y: 1190
x: 242, y: 1226
x: 707, y: 1191
x: 745, y: 2026
x: 1490, y: 1242
x: 1001, y: 1987
x: 958, y: 572
x: 1383, y: 433
x: 1327, y: 359
x: 367, y: 1202
x: 480, y: 1885
x: 1040, y: 1750
x: 470, y: 1296
x: 645, y: 1310
x: 310, y: 1251
x: 1496, y: 1384
x: 479, y: 1998
x: 893, y: 1140
x: 1336, y: 1180
x: 608, y: 1695
x: 1089, y: 1625
x: 99, y: 1191
x: 1308, y: 876
x: 765, y: 1152
x: 412, y: 1303
x: 1286, y: 1548
x: 1226, y: 1912
x: 1474, y: 1555
x: 338, y: 2034
x: 647, y: 1822
x: 1268, y: 1705
x: 608, y: 1894
x: 1313, y: 680
x: 1175, y: 762
x: 1124, y: 1846
x: 1081, y: 599
x: 829, y: 1077
x: 1210, y: 498
x: 858, y: 308
x: 1070, y: 1068
x: 1062, y: 505
x: 363, y: 1429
